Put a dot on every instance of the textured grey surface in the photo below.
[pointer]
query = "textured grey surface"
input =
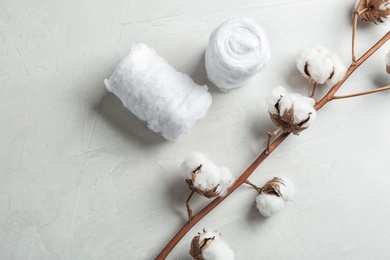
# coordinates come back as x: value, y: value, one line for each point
x: 82, y: 178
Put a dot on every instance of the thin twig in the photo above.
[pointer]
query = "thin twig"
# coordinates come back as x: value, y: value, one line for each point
x: 362, y: 93
x: 355, y: 20
x: 253, y: 185
x: 189, y: 210
x: 314, y: 90
x: 328, y: 97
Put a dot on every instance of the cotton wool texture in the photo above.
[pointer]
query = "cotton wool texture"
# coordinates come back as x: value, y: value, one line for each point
x: 217, y: 249
x: 319, y: 65
x: 303, y: 106
x: 269, y: 204
x: 169, y: 101
x: 209, y: 175
x: 236, y: 51
x: 287, y: 188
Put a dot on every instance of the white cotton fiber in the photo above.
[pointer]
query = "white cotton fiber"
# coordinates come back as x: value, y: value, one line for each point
x: 208, y: 175
x: 217, y: 249
x: 319, y: 65
x: 269, y: 204
x: 237, y: 50
x: 286, y: 188
x: 169, y: 101
x: 303, y: 106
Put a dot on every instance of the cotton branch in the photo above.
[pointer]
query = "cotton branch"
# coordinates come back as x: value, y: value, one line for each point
x: 279, y: 140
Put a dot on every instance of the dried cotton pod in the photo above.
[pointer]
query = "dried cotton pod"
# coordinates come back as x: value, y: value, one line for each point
x: 273, y: 195
x: 209, y: 246
x: 387, y: 59
x: 319, y: 65
x: 290, y: 111
x: 375, y: 11
x: 205, y: 178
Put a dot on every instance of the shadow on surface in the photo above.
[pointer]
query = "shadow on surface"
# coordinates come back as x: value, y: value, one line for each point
x: 111, y: 110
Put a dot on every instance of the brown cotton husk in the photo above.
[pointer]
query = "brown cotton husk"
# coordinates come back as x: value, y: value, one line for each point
x: 286, y: 121
x: 197, y: 247
x: 388, y: 69
x: 208, y: 193
x: 273, y: 187
x: 371, y: 12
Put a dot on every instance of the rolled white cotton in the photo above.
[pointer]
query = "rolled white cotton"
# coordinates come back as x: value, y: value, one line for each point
x: 209, y: 246
x: 237, y: 50
x: 319, y: 65
x: 269, y: 204
x: 205, y: 176
x: 169, y: 101
x: 286, y: 188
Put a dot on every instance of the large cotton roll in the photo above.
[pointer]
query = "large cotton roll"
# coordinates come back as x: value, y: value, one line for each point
x: 237, y: 50
x: 169, y: 101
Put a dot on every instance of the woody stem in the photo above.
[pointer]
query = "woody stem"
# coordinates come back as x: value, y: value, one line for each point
x: 314, y: 90
x: 355, y: 20
x: 279, y: 140
x: 189, y: 210
x: 270, y: 134
x: 362, y: 93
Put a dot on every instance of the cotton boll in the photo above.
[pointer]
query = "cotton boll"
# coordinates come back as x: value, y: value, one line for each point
x: 375, y: 11
x: 286, y: 188
x: 226, y: 180
x: 209, y: 246
x: 193, y: 161
x: 269, y: 204
x: 320, y: 66
x: 301, y: 110
x: 276, y: 94
x: 204, y: 176
x: 303, y: 107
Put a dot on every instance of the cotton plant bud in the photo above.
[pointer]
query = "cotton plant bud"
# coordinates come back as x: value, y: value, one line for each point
x: 273, y: 195
x: 290, y: 111
x: 388, y: 62
x: 204, y: 177
x: 375, y: 11
x: 319, y: 65
x: 209, y: 246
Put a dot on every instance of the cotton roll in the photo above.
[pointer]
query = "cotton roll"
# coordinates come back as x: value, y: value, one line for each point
x: 169, y: 101
x: 237, y: 50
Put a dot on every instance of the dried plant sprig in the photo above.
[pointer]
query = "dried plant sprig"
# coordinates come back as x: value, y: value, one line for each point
x: 375, y: 11
x: 279, y: 140
x: 204, y: 177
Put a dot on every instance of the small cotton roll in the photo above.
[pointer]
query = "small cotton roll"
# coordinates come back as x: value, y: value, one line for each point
x: 237, y: 50
x: 169, y: 101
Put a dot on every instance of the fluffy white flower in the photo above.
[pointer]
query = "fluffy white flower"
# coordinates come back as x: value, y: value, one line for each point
x: 286, y: 188
x: 319, y: 65
x: 205, y: 176
x: 210, y: 246
x: 269, y: 204
x: 280, y: 103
